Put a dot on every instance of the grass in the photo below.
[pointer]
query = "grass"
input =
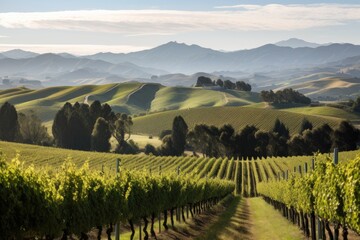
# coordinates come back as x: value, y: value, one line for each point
x: 128, y: 97
x: 324, y: 111
x: 251, y: 218
x: 267, y: 223
x: 238, y: 117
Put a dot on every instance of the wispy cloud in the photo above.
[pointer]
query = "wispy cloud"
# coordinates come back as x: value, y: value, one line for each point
x: 164, y: 22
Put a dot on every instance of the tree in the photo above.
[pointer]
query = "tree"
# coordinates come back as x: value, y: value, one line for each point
x: 166, y: 148
x: 150, y: 149
x: 305, y: 124
x: 246, y: 142
x: 229, y: 84
x: 79, y: 139
x: 100, y: 136
x: 262, y: 141
x: 178, y: 135
x: 32, y: 131
x: 227, y: 138
x: 298, y: 146
x: 204, y: 81
x: 346, y: 137
x: 281, y: 129
x: 60, y: 128
x: 205, y: 139
x: 9, y: 125
x: 220, y: 83
x: 121, y: 129
x: 243, y: 86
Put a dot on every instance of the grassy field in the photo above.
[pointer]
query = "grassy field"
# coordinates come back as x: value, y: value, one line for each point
x: 238, y: 117
x: 324, y: 111
x: 129, y: 97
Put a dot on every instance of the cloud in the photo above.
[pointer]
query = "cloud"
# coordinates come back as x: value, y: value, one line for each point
x: 272, y: 17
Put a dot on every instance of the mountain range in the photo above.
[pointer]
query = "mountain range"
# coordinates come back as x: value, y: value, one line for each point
x: 179, y: 64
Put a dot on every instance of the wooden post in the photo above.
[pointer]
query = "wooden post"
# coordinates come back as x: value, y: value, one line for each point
x: 117, y: 225
x: 294, y: 169
x: 313, y: 163
x: 140, y: 238
x: 336, y: 156
x: 160, y: 170
x: 299, y: 168
x: 178, y: 171
x: 305, y: 167
x: 287, y: 174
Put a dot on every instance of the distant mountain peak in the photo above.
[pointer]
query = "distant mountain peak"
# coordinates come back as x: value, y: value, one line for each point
x: 297, y: 43
x: 19, y: 54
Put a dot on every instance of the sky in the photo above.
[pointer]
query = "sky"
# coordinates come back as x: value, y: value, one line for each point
x: 89, y: 26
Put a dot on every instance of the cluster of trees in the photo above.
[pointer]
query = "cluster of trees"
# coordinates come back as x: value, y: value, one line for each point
x: 174, y: 141
x: 251, y: 142
x: 239, y: 85
x: 85, y: 127
x: 355, y: 105
x: 24, y: 128
x: 288, y: 95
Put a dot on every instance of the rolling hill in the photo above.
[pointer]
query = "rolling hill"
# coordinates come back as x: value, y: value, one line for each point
x: 238, y: 117
x: 130, y: 97
x: 327, y: 87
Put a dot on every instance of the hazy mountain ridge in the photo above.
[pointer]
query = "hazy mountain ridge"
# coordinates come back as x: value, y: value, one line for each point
x: 298, y: 43
x: 265, y: 67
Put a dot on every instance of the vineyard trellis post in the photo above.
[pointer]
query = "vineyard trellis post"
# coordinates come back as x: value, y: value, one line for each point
x: 117, y: 225
x: 305, y: 168
x: 159, y: 211
x: 336, y: 156
x: 313, y: 163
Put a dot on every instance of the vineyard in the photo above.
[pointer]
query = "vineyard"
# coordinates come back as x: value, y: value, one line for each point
x: 246, y: 173
x: 197, y: 181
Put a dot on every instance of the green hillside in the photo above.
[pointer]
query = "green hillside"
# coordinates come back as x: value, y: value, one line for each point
x: 238, y: 117
x: 324, y: 111
x: 130, y: 97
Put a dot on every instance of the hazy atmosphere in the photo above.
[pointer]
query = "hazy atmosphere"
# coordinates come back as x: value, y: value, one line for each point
x: 85, y: 27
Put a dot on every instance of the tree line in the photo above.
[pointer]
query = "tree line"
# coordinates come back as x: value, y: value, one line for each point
x: 252, y: 142
x: 76, y: 126
x: 287, y: 95
x: 23, y: 128
x: 227, y: 84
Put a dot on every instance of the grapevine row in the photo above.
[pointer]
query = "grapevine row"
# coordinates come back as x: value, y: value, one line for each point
x: 73, y: 200
x: 330, y: 193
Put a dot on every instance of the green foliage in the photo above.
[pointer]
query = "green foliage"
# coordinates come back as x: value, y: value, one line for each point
x: 150, y: 149
x: 100, y: 136
x: 286, y: 95
x: 38, y: 203
x: 332, y: 192
x: 178, y: 135
x: 8, y: 122
x: 32, y: 131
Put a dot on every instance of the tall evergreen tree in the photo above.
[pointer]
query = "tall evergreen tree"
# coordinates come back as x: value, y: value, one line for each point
x: 9, y: 125
x: 305, y: 124
x: 178, y: 135
x: 346, y: 137
x: 281, y: 129
x: 100, y: 136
